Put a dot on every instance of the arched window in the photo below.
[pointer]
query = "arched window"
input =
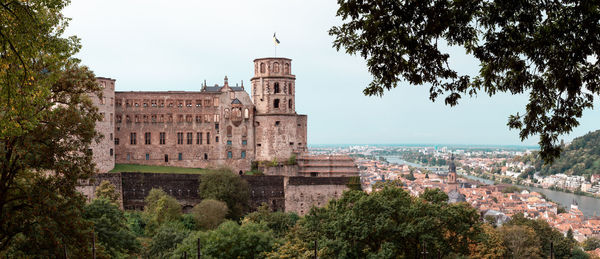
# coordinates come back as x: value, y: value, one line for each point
x: 226, y: 113
x: 276, y: 67
x: 262, y: 67
x: 276, y: 104
x: 290, y: 104
x: 246, y: 115
x: 229, y: 131
x: 276, y: 88
x: 286, y: 68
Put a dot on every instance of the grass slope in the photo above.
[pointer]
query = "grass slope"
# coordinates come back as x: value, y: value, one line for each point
x: 156, y: 169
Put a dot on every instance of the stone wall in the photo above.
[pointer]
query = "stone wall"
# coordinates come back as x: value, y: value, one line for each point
x: 88, y: 187
x: 301, y: 193
x: 103, y: 151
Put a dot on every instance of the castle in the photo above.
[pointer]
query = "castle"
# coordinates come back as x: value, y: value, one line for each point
x: 220, y: 126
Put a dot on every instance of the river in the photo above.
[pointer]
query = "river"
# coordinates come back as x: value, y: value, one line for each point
x: 588, y: 205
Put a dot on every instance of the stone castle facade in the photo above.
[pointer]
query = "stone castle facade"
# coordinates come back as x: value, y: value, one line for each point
x: 218, y: 126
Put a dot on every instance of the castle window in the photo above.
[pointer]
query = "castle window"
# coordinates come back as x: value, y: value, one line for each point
x: 198, y: 118
x: 166, y: 158
x: 286, y: 68
x: 137, y: 118
x: 119, y: 102
x: 102, y: 115
x: 145, y: 118
x: 112, y: 101
x: 244, y: 142
x: 188, y: 103
x: 161, y: 118
x: 205, y: 156
x: 147, y: 156
x: 147, y: 138
x: 229, y: 142
x: 208, y: 138
x: 111, y: 136
x: 180, y: 156
x: 243, y: 154
x: 190, y: 137
x: 153, y: 118
x: 162, y: 138
x: 188, y: 118
x: 217, y: 126
x: 276, y: 88
x: 246, y: 113
x: 290, y: 104
x: 161, y: 103
x: 277, y: 123
x: 262, y: 67
x: 229, y: 131
x: 229, y: 154
x: 217, y: 139
x: 198, y: 138
x: 291, y: 143
x: 180, y: 103
x: 170, y: 104
x: 128, y: 156
x: 179, y: 138
x: 116, y: 141
x: 276, y: 67
x: 132, y: 138
x: 258, y: 145
x: 216, y: 101
x: 145, y: 104
x: 198, y: 103
x: 217, y: 117
x: 314, y: 174
x: 137, y: 104
x: 276, y: 104
x: 153, y: 103
x: 180, y: 118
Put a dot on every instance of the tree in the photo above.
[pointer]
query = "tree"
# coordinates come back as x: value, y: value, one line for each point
x: 46, y: 127
x: 547, y: 235
x: 110, y: 227
x: 108, y: 191
x: 230, y: 240
x: 391, y: 223
x: 160, y: 208
x: 520, y: 241
x: 490, y: 244
x: 547, y: 49
x: 223, y: 185
x: 279, y: 222
x: 591, y: 243
x: 209, y: 213
x: 166, y: 239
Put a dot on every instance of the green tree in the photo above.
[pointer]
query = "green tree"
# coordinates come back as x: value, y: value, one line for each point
x: 166, y: 239
x: 223, y: 185
x: 110, y: 226
x: 390, y: 223
x: 209, y: 213
x: 230, y: 240
x: 46, y: 127
x: 591, y: 243
x: 108, y: 191
x: 547, y: 49
x: 547, y: 236
x: 160, y: 208
x: 520, y: 241
x: 490, y: 244
x: 279, y: 222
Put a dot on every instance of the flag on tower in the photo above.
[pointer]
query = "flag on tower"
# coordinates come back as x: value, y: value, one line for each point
x: 275, y: 39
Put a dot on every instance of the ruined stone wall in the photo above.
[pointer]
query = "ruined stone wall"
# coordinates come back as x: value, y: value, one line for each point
x: 276, y: 137
x: 88, y: 187
x: 327, y: 165
x: 219, y: 123
x: 103, y: 151
x: 282, y: 170
x: 302, y: 193
x: 266, y: 189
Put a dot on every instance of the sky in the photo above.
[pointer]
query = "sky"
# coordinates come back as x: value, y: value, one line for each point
x: 164, y: 45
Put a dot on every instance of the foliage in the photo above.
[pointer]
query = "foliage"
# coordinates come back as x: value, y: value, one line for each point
x: 135, y: 222
x: 230, y: 240
x: 511, y: 189
x: 292, y: 160
x: 110, y: 226
x: 279, y: 222
x: 209, y: 213
x: 410, y: 176
x: 581, y: 157
x: 354, y: 183
x: 591, y: 243
x: 223, y: 185
x: 166, y: 239
x: 547, y: 236
x: 160, y: 208
x: 520, y: 241
x: 46, y: 127
x: 490, y: 244
x: 390, y: 222
x: 108, y: 191
x: 547, y: 49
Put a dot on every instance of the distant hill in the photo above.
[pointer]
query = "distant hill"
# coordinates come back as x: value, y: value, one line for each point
x: 581, y: 157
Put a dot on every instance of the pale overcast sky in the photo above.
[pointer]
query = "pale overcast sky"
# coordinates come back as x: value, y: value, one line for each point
x: 176, y: 45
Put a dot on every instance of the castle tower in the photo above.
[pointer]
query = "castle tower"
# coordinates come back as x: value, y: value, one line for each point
x: 280, y: 132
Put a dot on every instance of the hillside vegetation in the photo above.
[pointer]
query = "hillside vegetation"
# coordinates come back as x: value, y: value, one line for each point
x: 581, y: 157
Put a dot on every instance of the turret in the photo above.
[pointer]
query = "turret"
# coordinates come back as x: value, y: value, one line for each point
x: 273, y: 86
